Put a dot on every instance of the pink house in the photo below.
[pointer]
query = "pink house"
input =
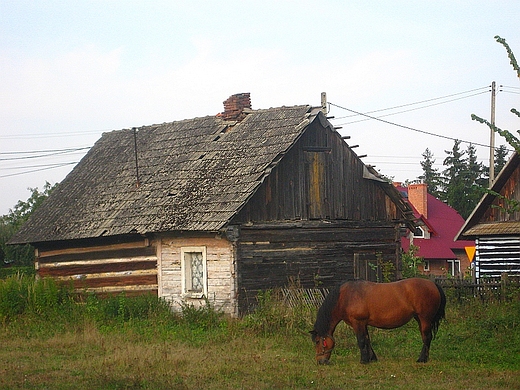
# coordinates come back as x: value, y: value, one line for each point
x: 438, y: 226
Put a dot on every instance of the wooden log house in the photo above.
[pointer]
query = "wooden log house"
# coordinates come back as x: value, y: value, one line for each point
x: 218, y: 208
x: 494, y: 224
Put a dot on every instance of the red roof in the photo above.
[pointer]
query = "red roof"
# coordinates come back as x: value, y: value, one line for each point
x: 445, y: 222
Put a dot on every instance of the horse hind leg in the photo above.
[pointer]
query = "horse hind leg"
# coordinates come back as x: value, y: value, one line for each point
x: 372, y: 354
x: 426, y: 334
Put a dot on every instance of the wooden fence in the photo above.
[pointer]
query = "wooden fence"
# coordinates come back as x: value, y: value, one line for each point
x: 505, y: 288
x: 304, y: 296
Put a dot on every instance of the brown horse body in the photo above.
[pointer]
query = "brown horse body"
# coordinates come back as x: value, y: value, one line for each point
x: 382, y: 305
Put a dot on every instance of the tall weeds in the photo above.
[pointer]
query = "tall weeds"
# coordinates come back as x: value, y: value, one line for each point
x: 20, y: 294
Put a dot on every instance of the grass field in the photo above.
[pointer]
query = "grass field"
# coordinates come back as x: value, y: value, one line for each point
x: 124, y: 343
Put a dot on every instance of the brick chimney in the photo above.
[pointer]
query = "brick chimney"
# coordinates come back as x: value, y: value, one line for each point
x: 234, y: 107
x: 418, y: 197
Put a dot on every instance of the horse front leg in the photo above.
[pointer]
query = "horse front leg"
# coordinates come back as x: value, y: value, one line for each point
x: 364, y: 344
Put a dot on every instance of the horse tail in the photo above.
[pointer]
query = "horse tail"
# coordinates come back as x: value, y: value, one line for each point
x: 441, y: 312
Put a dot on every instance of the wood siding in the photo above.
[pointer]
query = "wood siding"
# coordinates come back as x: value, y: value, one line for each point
x: 320, y: 178
x: 311, y: 254
x: 129, y: 267
x: 220, y: 272
x: 509, y: 192
x: 497, y: 255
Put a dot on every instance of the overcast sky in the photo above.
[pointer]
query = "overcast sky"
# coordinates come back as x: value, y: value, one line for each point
x: 71, y: 70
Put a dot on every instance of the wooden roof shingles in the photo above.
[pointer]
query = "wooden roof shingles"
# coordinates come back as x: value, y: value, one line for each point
x: 194, y: 175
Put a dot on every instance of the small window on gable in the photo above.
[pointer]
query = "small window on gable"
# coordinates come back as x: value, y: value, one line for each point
x: 194, y: 273
x: 419, y: 232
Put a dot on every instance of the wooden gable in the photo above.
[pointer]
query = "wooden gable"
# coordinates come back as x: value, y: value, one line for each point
x: 495, y: 225
x: 494, y: 215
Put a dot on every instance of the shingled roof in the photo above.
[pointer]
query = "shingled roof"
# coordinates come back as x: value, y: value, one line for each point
x: 191, y: 175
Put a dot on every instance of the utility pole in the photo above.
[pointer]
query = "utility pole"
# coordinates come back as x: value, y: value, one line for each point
x: 492, y: 136
x: 137, y: 182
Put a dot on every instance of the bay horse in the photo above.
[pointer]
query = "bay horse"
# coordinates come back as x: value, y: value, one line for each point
x: 382, y: 305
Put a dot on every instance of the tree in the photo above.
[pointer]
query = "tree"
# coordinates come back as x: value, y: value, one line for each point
x: 512, y: 205
x: 11, y: 223
x: 454, y: 176
x: 411, y: 262
x: 509, y: 136
x: 431, y: 175
x: 500, y: 158
x: 464, y: 179
x: 476, y: 178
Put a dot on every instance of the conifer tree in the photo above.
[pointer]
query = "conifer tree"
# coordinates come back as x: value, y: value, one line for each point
x: 501, y: 154
x: 456, y: 180
x: 431, y: 175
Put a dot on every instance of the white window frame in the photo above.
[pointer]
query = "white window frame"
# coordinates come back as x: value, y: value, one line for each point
x: 186, y: 272
x: 452, y: 264
x: 422, y: 235
x: 426, y: 265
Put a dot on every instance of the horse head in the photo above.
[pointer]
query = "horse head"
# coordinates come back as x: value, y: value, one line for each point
x: 323, y: 345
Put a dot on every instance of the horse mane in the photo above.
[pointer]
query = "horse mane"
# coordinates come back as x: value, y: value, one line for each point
x: 321, y: 326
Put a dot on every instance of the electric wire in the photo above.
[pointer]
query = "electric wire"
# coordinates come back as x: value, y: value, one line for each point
x: 45, y: 150
x: 422, y: 101
x: 53, y: 166
x: 43, y: 153
x: 51, y: 135
x: 408, y: 127
x: 411, y: 109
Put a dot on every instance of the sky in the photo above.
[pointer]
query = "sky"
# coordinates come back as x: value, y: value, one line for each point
x: 71, y: 70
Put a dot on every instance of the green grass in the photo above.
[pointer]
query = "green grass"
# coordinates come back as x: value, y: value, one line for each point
x: 137, y: 343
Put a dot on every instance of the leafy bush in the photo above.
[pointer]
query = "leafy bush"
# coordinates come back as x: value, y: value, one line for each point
x: 5, y: 272
x: 273, y: 315
x: 25, y: 294
x: 121, y: 308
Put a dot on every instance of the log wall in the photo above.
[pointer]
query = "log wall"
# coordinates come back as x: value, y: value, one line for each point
x: 129, y: 267
x: 309, y: 254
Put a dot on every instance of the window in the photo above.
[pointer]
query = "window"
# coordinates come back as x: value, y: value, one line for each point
x: 426, y: 265
x: 454, y: 267
x: 366, y: 266
x: 194, y: 276
x: 419, y: 232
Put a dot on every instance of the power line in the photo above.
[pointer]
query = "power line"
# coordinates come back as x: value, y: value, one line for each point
x: 424, y: 101
x: 46, y: 151
x: 408, y: 127
x: 411, y: 109
x: 51, y: 135
x: 40, y: 169
x: 43, y: 153
x: 35, y: 166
